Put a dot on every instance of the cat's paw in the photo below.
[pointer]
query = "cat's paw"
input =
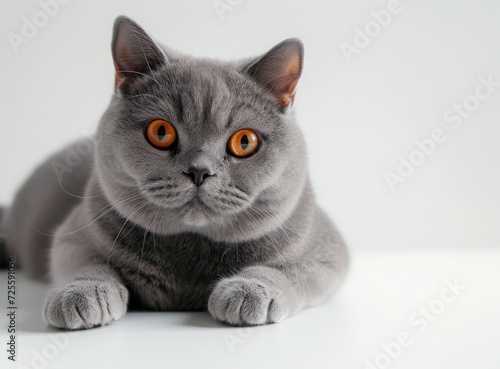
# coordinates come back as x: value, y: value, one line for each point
x: 246, y: 301
x: 84, y: 304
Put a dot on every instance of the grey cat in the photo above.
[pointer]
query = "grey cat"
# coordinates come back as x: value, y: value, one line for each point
x: 195, y: 195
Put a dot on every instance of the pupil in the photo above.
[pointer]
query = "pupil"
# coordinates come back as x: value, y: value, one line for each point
x: 244, y: 142
x: 161, y: 133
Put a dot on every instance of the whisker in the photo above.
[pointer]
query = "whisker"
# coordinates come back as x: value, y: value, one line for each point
x: 281, y: 230
x: 269, y: 238
x: 77, y: 196
x: 142, y: 253
x: 154, y: 238
x: 132, y: 198
x: 249, y: 242
x: 121, y: 229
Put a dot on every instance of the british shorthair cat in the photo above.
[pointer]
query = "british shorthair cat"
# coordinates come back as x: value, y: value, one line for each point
x: 196, y: 196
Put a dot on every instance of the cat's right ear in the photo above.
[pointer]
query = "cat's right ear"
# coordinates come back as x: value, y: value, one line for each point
x: 135, y: 53
x: 279, y: 70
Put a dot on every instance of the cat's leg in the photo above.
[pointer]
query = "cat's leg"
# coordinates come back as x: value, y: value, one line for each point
x: 268, y: 294
x: 88, y: 293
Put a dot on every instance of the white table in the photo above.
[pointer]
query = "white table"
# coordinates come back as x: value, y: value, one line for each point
x: 379, y: 304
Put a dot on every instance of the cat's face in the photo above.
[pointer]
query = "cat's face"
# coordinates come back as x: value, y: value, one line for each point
x: 202, y: 140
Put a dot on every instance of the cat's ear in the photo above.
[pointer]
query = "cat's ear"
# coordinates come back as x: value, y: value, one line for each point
x: 279, y: 70
x: 135, y: 53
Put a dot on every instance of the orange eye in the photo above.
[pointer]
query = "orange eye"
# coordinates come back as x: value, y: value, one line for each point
x: 243, y: 143
x: 161, y: 134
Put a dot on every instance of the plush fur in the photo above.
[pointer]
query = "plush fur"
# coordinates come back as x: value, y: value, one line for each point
x: 126, y: 226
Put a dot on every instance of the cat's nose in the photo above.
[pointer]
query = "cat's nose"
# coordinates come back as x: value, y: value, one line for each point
x: 198, y: 175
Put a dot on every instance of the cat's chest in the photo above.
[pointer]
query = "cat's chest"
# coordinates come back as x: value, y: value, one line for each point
x: 176, y: 272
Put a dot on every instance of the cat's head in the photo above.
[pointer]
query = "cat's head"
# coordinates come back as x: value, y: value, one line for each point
x: 202, y: 145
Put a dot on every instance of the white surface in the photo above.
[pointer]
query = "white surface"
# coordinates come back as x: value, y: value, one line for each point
x: 381, y: 294
x: 358, y: 117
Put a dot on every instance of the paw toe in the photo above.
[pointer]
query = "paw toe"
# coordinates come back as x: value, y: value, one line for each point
x: 243, y: 301
x: 84, y: 304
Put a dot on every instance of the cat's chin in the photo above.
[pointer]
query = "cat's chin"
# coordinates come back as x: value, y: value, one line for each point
x: 196, y: 221
x: 196, y: 214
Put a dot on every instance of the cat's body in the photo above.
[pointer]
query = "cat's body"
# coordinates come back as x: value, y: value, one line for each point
x: 193, y: 225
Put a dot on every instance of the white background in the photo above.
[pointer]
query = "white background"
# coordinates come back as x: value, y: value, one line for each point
x: 358, y: 117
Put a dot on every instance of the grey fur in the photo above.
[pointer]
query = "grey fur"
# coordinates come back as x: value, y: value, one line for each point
x: 250, y: 245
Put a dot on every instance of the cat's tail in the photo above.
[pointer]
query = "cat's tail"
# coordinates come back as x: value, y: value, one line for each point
x: 3, y: 247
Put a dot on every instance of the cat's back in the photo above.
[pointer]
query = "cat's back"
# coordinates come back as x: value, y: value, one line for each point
x: 45, y: 199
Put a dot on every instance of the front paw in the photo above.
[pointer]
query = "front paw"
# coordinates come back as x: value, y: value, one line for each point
x: 246, y: 301
x: 84, y: 304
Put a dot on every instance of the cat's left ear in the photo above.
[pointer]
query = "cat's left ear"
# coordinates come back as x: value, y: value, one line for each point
x: 135, y: 53
x: 279, y: 70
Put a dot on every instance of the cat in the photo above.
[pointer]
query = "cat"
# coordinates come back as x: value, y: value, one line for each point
x: 195, y: 196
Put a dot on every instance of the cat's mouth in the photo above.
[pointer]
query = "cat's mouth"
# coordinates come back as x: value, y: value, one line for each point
x: 198, y: 206
x: 197, y: 203
x: 197, y: 213
x: 190, y: 204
